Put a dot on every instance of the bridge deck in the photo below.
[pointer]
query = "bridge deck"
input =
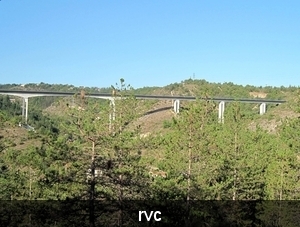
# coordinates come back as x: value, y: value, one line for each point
x: 155, y: 97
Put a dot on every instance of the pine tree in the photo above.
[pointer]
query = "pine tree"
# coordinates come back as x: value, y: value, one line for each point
x: 283, y: 170
x: 188, y: 150
x: 106, y: 162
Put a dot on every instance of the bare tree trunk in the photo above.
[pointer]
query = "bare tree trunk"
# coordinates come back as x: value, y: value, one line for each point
x: 281, y: 185
x: 190, y: 163
x: 235, y: 171
x: 120, y: 219
x: 187, y: 221
x: 92, y: 189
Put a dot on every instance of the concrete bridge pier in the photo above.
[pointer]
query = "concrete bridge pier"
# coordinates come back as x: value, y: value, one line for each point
x: 221, y: 111
x: 176, y: 106
x: 262, y: 108
x: 25, y: 109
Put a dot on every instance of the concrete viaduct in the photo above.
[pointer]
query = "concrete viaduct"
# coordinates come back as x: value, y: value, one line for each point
x: 176, y: 104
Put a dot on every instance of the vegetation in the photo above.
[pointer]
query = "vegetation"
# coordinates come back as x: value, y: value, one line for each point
x: 96, y: 152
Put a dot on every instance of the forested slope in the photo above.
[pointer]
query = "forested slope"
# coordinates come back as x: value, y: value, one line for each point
x: 82, y: 154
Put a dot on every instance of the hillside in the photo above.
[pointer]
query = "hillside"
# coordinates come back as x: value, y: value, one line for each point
x: 76, y: 149
x: 156, y: 116
x: 162, y: 111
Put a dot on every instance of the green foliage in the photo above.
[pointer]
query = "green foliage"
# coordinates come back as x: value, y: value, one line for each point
x: 188, y: 147
x: 242, y: 158
x: 8, y: 108
x: 283, y: 171
x: 167, y: 123
x: 95, y: 152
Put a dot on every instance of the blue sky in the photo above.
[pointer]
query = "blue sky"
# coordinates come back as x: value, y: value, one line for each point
x: 149, y: 43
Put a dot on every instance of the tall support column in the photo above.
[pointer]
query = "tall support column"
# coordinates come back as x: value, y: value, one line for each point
x: 23, y: 109
x: 262, y: 108
x: 176, y: 106
x: 112, y: 114
x: 221, y: 111
x: 26, y: 109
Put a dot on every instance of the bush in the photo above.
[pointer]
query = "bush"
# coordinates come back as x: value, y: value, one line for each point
x: 167, y: 124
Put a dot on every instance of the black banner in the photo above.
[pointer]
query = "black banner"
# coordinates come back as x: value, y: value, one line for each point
x: 149, y: 213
